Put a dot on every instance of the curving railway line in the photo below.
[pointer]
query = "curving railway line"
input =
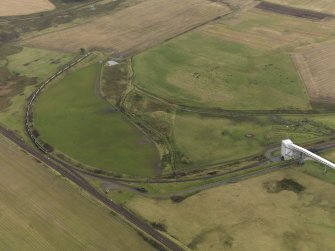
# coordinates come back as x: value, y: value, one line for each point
x: 29, y: 121
x: 72, y: 174
x: 82, y: 183
x: 68, y: 172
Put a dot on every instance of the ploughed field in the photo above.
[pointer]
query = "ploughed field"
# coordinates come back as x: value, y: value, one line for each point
x: 24, y: 7
x: 72, y: 117
x: 42, y: 211
x: 270, y: 31
x: 316, y: 65
x: 134, y: 28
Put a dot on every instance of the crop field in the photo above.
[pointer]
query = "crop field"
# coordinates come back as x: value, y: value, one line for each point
x: 199, y: 70
x: 42, y: 211
x: 316, y: 64
x: 73, y: 118
x: 134, y: 28
x: 267, y: 30
x: 207, y: 140
x: 325, y: 6
x: 284, y: 210
x: 24, y: 7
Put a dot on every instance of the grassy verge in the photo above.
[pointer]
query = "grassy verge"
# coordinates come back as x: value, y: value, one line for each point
x: 316, y: 170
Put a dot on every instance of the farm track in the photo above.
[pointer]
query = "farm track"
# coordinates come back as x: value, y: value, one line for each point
x: 82, y: 183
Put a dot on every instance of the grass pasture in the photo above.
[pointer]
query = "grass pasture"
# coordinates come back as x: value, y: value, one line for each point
x: 134, y: 28
x: 29, y: 63
x: 316, y: 64
x: 41, y: 211
x: 229, y: 62
x: 200, y: 70
x: 73, y: 118
x: 207, y: 140
x: 325, y: 6
x: 285, y: 210
x: 24, y: 7
x: 39, y: 63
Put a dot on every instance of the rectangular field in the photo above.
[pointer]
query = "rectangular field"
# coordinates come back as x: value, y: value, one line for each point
x: 284, y: 210
x: 134, y: 28
x: 41, y: 211
x: 205, y: 71
x: 24, y: 7
x: 316, y: 65
x: 268, y: 30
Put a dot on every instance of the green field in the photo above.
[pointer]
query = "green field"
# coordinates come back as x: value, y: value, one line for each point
x: 261, y: 213
x: 41, y: 211
x: 204, y: 139
x: 78, y: 122
x: 39, y: 63
x: 200, y: 70
x: 30, y: 63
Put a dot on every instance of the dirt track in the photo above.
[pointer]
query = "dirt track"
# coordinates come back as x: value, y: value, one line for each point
x: 313, y: 15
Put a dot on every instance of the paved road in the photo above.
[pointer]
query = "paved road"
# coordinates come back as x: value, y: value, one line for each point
x: 269, y: 155
x: 81, y: 182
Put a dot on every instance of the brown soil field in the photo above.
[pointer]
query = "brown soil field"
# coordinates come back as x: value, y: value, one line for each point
x: 325, y: 6
x: 268, y: 30
x: 291, y: 11
x: 24, y: 7
x: 316, y: 66
x: 134, y: 28
x: 286, y: 210
x: 41, y: 211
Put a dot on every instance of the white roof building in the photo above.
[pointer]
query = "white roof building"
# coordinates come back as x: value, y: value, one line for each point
x: 111, y: 63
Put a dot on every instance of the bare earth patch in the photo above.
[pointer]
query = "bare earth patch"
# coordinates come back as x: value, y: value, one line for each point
x: 135, y: 28
x: 24, y: 7
x: 316, y: 65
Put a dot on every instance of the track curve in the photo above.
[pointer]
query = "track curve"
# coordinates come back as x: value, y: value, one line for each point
x: 82, y: 183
